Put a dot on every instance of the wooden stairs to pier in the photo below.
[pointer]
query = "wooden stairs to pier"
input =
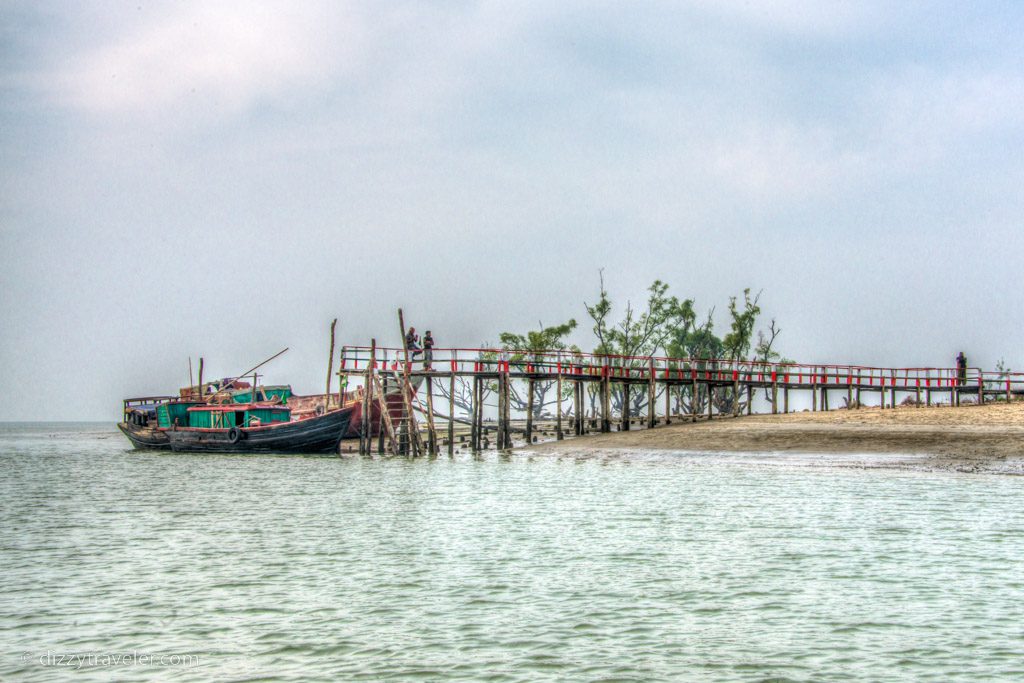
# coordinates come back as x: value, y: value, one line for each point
x: 398, y: 418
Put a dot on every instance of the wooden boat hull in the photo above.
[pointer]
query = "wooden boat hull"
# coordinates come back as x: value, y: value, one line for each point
x: 145, y: 437
x: 313, y: 435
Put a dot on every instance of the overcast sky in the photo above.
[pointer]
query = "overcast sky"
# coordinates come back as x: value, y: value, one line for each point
x: 198, y: 178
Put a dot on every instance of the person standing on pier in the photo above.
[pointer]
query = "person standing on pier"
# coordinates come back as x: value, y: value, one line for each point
x: 428, y: 354
x: 412, y: 342
x: 961, y: 368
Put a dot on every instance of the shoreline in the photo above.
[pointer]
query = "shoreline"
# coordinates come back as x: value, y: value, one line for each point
x: 987, y: 438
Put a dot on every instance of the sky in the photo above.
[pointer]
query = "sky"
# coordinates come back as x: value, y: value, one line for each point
x: 185, y: 179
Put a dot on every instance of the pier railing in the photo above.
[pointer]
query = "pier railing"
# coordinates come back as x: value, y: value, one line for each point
x: 567, y: 363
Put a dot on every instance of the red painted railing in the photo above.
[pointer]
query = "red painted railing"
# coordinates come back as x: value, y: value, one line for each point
x: 570, y: 364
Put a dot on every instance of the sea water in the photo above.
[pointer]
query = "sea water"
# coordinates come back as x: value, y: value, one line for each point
x: 134, y: 565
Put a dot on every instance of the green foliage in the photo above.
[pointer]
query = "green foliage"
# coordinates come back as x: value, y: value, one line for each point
x: 697, y: 342
x: 642, y: 334
x: 737, y: 343
x: 545, y: 339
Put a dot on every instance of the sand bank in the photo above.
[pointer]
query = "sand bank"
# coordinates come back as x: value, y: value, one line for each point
x: 988, y: 438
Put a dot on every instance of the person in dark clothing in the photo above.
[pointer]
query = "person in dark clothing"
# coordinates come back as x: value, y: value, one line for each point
x: 412, y: 342
x: 961, y: 368
x: 428, y: 354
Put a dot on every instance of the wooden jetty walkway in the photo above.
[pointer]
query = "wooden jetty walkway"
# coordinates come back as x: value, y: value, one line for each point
x: 408, y: 388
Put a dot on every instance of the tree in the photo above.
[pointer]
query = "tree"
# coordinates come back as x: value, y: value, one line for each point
x: 639, y: 334
x: 528, y: 347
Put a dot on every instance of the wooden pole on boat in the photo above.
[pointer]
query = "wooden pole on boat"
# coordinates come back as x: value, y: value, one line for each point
x: 330, y: 370
x: 200, y: 397
x: 190, y: 375
x: 252, y: 369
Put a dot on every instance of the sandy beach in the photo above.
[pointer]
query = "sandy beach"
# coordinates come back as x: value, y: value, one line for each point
x: 971, y: 438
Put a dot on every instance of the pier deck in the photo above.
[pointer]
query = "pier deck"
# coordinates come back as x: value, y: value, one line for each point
x: 585, y: 393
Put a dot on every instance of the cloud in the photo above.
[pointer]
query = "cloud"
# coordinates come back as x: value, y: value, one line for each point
x: 226, y: 55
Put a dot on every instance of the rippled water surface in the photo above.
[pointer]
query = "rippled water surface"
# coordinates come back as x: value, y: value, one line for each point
x: 618, y: 567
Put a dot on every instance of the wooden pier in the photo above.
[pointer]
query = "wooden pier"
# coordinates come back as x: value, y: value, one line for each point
x: 463, y: 397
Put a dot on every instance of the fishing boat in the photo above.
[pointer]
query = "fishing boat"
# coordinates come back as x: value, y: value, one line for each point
x: 258, y: 428
x: 146, y: 419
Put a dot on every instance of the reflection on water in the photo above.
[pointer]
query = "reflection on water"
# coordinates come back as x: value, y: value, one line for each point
x: 628, y: 567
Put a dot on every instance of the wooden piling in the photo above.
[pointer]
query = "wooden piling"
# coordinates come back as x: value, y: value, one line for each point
x: 201, y: 391
x: 431, y: 431
x: 775, y: 395
x: 651, y: 395
x: 474, y: 429
x: 330, y: 371
x: 695, y: 396
x: 451, y: 414
x: 736, y: 396
x: 577, y: 408
x: 558, y: 414
x: 606, y: 403
x: 529, y: 410
x: 624, y: 425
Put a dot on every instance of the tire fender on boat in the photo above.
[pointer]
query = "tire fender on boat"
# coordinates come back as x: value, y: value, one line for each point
x: 320, y: 410
x: 234, y: 434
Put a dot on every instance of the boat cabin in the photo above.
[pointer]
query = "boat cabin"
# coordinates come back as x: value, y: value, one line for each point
x: 236, y: 415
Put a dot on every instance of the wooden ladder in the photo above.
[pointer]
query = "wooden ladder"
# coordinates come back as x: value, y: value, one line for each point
x: 402, y: 430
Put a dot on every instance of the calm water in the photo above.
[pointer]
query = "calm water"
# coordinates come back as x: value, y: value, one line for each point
x: 616, y: 567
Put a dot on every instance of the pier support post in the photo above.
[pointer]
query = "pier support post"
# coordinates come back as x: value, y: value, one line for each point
x: 558, y: 414
x: 606, y: 403
x: 694, y: 396
x: 507, y: 431
x: 775, y: 395
x: 736, y: 396
x: 624, y: 426
x: 502, y: 398
x: 651, y: 394
x: 577, y: 408
x: 711, y: 401
x: 858, y: 388
x: 529, y: 411
x: 366, y: 428
x: 474, y: 427
x: 431, y: 431
x: 668, y: 404
x: 785, y: 399
x: 451, y: 414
